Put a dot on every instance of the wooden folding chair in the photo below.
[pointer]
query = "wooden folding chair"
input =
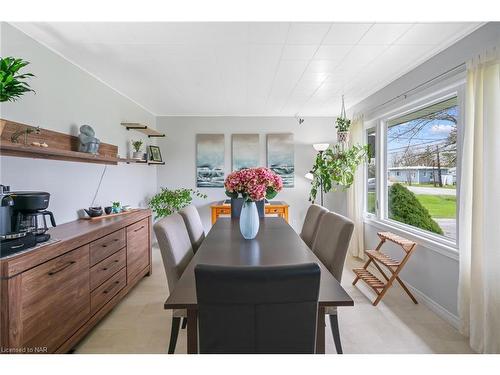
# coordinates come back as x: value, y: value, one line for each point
x: 394, y: 266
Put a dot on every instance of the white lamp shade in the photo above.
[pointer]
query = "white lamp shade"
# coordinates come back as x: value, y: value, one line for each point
x: 309, y: 176
x: 321, y: 146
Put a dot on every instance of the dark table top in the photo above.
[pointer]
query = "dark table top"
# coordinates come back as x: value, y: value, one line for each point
x: 276, y: 244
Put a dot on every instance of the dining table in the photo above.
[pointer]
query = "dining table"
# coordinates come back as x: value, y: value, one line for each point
x: 276, y: 243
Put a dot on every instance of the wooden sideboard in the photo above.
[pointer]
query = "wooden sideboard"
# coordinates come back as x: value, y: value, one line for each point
x: 278, y: 208
x: 52, y: 296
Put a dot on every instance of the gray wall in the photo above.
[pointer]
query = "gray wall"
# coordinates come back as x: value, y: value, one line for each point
x: 434, y: 275
x: 67, y: 97
x: 179, y: 150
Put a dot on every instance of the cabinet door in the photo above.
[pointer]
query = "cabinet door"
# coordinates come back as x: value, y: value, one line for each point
x: 137, y: 248
x: 55, y: 300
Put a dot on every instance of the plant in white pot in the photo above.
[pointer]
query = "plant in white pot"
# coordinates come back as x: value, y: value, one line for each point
x: 342, y: 124
x: 137, y: 154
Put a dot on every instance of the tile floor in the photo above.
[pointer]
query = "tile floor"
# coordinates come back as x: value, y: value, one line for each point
x: 140, y: 325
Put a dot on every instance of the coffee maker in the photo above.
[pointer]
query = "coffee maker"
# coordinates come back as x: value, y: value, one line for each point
x: 29, y: 212
x: 23, y: 220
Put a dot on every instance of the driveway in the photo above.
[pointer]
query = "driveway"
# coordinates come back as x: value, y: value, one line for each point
x: 431, y: 190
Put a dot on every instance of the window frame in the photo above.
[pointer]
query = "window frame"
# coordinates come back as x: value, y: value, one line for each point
x: 445, y: 89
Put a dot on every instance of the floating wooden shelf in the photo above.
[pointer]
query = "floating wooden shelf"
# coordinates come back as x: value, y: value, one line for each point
x: 151, y: 133
x: 137, y: 161
x: 20, y: 150
x: 131, y: 161
x: 60, y: 146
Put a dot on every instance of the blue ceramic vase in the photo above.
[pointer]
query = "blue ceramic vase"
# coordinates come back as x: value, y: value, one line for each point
x: 249, y: 220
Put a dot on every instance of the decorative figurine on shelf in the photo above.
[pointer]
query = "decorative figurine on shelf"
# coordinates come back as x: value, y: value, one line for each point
x: 88, y: 142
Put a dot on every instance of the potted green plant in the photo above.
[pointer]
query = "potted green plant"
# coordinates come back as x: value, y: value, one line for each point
x: 169, y: 201
x: 342, y: 124
x: 115, y: 207
x: 137, y: 145
x: 12, y: 83
x: 335, y: 168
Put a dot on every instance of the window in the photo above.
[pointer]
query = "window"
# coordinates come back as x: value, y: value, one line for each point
x: 371, y: 173
x: 424, y: 139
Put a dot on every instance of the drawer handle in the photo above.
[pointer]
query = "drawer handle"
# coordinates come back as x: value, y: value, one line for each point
x: 112, y: 287
x: 106, y: 268
x: 109, y: 243
x: 17, y: 246
x: 138, y: 229
x: 62, y: 268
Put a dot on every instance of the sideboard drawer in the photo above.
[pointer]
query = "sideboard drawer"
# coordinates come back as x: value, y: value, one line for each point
x: 107, y: 268
x: 107, y: 245
x: 54, y: 300
x: 224, y: 211
x: 275, y: 210
x: 108, y: 290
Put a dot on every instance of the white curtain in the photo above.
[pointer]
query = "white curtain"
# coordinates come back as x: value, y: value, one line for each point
x: 355, y: 195
x: 479, y: 212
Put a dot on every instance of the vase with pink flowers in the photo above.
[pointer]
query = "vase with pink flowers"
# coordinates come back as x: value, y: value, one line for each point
x: 253, y: 185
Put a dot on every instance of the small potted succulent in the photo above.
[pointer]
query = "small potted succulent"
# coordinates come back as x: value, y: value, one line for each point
x: 137, y: 145
x: 116, y: 207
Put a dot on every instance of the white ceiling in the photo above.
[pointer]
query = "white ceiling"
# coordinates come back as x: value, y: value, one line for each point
x: 265, y: 69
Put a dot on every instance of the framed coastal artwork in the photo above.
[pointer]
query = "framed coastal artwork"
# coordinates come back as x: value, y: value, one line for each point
x: 245, y: 151
x: 210, y: 160
x: 280, y: 157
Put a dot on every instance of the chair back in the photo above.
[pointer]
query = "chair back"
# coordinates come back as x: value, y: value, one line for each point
x: 257, y: 309
x: 332, y: 242
x: 237, y: 205
x: 194, y: 226
x: 311, y: 223
x: 175, y: 246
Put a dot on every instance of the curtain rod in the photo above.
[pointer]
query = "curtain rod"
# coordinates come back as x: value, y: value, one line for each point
x: 449, y: 72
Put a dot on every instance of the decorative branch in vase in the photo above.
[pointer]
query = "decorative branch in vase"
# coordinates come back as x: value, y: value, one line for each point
x: 252, y: 185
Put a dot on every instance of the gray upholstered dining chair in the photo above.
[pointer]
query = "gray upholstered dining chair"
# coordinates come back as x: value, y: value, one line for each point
x: 257, y: 310
x: 330, y: 246
x: 194, y: 226
x: 311, y: 223
x: 176, y: 252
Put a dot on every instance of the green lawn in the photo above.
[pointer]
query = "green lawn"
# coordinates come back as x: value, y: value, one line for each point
x: 371, y: 202
x: 439, y: 206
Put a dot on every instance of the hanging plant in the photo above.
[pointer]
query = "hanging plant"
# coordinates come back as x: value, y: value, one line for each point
x: 335, y: 168
x: 342, y: 124
x: 12, y: 84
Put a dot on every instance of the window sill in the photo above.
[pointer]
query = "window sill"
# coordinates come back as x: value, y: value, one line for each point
x: 439, y: 245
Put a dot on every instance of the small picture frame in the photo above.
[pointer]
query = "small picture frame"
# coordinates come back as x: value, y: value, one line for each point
x: 154, y: 154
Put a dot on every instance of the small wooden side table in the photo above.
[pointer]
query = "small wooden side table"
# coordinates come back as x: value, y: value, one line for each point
x: 272, y: 208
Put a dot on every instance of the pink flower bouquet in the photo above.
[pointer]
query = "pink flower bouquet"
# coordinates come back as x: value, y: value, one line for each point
x: 254, y: 184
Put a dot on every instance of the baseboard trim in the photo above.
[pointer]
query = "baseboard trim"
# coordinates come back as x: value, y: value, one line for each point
x: 435, y: 307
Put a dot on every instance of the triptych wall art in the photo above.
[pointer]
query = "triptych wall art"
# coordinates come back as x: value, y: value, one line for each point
x: 210, y: 151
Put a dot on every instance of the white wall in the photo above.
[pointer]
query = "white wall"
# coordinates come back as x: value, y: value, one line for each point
x: 434, y: 275
x: 179, y: 151
x: 67, y: 97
